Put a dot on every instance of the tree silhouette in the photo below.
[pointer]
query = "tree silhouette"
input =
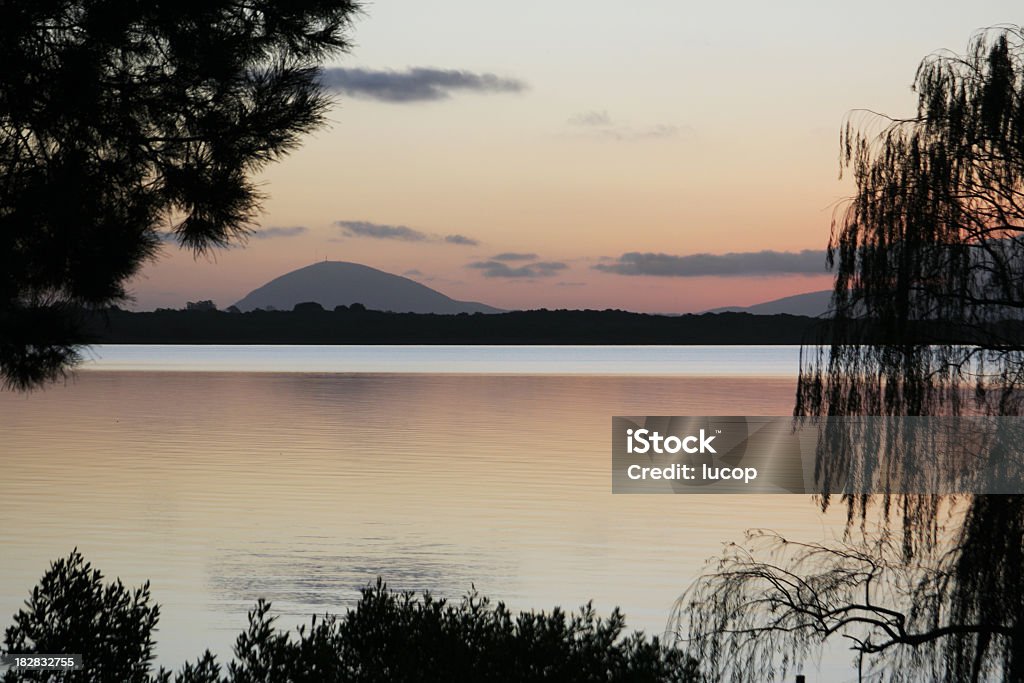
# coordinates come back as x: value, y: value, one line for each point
x: 123, y: 123
x: 931, y: 248
x: 929, y: 257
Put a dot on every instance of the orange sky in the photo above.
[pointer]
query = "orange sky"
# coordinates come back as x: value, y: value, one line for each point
x: 660, y: 127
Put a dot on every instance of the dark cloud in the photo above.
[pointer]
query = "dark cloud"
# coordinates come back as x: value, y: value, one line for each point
x: 172, y: 239
x: 461, y: 239
x: 257, y: 234
x: 513, y: 256
x: 498, y: 269
x: 402, y: 233
x: 381, y: 232
x: 271, y: 233
x: 416, y: 272
x: 806, y: 262
x: 417, y: 84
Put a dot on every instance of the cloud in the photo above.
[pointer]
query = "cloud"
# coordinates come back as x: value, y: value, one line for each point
x: 591, y: 118
x: 657, y: 131
x: 514, y: 256
x: 734, y: 264
x: 257, y: 234
x: 401, y: 233
x: 424, y: 277
x: 461, y: 239
x: 417, y: 84
x: 628, y: 133
x: 599, y: 124
x: 498, y: 269
x: 382, y: 232
x: 271, y: 233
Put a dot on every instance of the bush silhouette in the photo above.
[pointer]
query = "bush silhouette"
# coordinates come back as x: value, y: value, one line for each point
x: 72, y: 611
x: 387, y: 636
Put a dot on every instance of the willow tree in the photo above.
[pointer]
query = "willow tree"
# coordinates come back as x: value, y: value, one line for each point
x: 122, y: 120
x: 927, y: 305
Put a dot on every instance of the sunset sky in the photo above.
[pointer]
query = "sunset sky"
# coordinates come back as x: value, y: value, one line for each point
x: 574, y: 154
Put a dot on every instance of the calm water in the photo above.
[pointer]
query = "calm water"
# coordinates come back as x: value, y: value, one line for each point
x: 300, y: 474
x: 704, y: 361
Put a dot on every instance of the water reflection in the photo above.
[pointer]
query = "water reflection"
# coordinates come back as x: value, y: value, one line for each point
x: 301, y: 488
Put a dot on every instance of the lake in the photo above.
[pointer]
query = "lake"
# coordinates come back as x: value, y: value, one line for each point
x: 300, y: 474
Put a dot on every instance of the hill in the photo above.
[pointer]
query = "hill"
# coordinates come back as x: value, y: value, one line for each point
x: 340, y: 283
x: 810, y: 304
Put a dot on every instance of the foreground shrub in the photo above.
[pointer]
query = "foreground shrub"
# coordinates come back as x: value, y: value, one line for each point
x: 387, y: 636
x: 71, y: 611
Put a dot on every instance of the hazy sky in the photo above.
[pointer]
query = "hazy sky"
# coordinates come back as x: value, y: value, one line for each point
x: 584, y: 153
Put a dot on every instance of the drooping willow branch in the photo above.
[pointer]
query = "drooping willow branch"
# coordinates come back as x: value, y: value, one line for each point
x: 770, y: 603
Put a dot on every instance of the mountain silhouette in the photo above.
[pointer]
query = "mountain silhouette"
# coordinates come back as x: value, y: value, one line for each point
x: 812, y: 304
x: 340, y: 283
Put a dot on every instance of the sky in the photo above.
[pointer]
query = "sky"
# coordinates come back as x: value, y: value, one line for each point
x: 656, y: 156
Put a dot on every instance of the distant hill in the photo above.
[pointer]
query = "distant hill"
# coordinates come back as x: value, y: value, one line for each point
x: 340, y: 283
x: 811, y: 304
